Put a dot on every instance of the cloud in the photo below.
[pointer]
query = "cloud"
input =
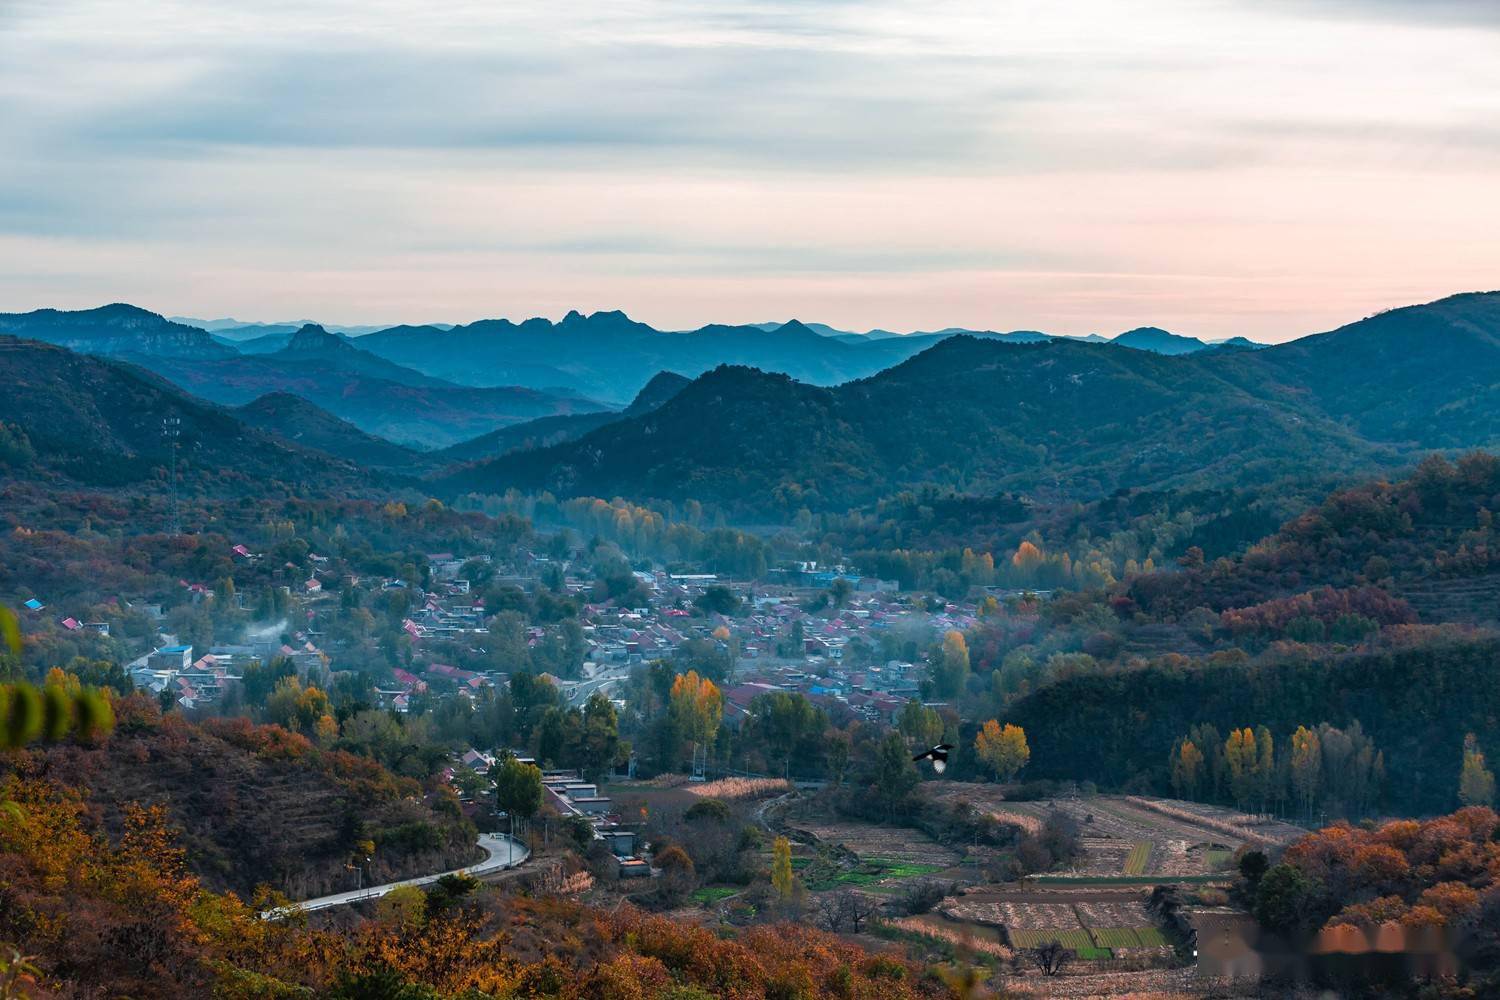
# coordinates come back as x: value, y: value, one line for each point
x: 1432, y: 13
x: 895, y: 163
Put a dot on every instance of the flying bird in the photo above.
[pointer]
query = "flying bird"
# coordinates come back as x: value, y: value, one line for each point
x: 938, y: 755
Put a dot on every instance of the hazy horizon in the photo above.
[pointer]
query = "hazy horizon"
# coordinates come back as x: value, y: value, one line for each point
x: 1217, y: 168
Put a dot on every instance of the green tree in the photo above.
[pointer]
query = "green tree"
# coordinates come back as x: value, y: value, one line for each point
x: 840, y: 591
x: 787, y: 725
x: 518, y: 790
x: 895, y: 776
x: 950, y: 666
x: 1281, y: 897
x: 922, y: 726
x: 600, y: 748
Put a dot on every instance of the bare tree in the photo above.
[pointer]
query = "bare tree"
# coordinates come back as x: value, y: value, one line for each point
x: 847, y: 910
x: 1051, y: 957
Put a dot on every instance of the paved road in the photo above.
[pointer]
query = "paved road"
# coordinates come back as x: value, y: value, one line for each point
x: 500, y: 856
x: 602, y: 680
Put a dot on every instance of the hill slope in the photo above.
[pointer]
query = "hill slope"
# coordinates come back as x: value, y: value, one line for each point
x: 301, y: 422
x: 410, y: 408
x: 257, y: 804
x: 1429, y: 538
x: 1158, y: 341
x: 1426, y: 375
x: 99, y: 423
x: 547, y: 431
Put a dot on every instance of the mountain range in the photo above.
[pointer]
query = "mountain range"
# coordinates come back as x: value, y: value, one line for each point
x: 604, y: 356
x: 1059, y: 419
x: 1051, y: 419
x: 378, y: 396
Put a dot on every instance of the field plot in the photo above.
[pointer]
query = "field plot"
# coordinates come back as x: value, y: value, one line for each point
x: 731, y: 789
x: 988, y: 940
x: 876, y: 873
x: 894, y: 845
x: 1096, y: 923
x: 1139, y: 858
x: 1078, y: 939
x: 1115, y: 913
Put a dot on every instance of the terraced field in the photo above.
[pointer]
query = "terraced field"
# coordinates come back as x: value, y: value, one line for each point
x: 1097, y: 924
x: 894, y: 845
x: 874, y: 873
x: 1130, y: 840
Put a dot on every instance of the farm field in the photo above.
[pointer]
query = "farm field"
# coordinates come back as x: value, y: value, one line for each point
x: 1128, y: 838
x: 1099, y: 924
x: 893, y: 844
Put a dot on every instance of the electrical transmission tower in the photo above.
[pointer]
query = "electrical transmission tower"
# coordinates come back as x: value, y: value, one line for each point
x: 171, y: 431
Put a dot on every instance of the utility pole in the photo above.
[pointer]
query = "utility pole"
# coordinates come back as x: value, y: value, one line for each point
x: 171, y: 431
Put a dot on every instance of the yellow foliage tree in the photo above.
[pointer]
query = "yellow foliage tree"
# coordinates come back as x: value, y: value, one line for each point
x: 782, y: 878
x: 1187, y: 769
x: 1027, y: 557
x: 1003, y: 749
x: 696, y: 707
x: 1476, y: 783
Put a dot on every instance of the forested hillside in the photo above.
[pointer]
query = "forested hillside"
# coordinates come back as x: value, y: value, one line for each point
x: 258, y: 805
x: 1059, y: 419
x: 96, y: 422
x: 1430, y: 537
x: 1415, y: 694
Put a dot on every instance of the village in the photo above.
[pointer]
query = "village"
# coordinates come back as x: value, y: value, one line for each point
x: 821, y: 632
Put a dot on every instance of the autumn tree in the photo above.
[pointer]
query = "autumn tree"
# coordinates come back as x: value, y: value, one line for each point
x: 1242, y: 762
x: 1187, y: 769
x: 695, y: 708
x: 295, y: 707
x: 1004, y: 750
x: 1476, y: 783
x: 1027, y: 560
x: 404, y: 908
x: 678, y: 875
x: 1265, y: 768
x: 1307, y: 768
x: 782, y: 878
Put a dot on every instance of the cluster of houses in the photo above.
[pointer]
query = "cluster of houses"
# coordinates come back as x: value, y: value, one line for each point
x: 567, y: 794
x: 67, y: 623
x: 200, y: 682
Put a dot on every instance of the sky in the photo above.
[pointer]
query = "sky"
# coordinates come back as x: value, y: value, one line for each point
x: 1266, y: 168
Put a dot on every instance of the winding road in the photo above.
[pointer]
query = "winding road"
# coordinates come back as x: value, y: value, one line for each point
x: 500, y: 855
